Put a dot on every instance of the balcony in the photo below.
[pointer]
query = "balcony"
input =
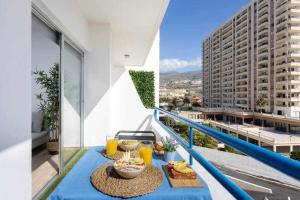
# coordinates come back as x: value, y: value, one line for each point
x: 98, y: 95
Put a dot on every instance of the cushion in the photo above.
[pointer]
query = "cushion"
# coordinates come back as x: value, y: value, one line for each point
x: 37, y: 121
x: 36, y: 136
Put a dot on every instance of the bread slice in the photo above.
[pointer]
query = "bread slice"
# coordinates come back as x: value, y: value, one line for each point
x: 178, y: 175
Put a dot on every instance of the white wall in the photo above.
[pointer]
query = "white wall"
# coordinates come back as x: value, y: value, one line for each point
x: 288, y: 111
x: 68, y: 18
x: 111, y: 100
x: 128, y: 112
x: 15, y: 101
x: 97, y: 85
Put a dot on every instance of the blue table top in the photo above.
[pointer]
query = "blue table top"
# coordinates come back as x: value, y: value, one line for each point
x: 76, y: 184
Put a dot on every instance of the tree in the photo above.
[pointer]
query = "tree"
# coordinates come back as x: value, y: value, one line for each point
x: 261, y: 102
x: 295, y: 155
x: 186, y: 100
x: 49, y: 98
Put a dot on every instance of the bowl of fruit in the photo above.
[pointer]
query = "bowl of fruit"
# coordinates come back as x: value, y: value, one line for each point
x: 129, y: 145
x: 128, y: 167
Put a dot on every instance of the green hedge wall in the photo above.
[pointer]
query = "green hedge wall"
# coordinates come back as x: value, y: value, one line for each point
x: 144, y: 84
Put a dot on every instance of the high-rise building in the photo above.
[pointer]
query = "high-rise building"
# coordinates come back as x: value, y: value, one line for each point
x: 252, y: 61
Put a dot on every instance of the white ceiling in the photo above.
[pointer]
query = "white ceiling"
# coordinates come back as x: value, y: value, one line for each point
x: 134, y: 24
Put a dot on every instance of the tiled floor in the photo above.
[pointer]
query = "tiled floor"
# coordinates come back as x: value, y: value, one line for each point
x: 44, y: 168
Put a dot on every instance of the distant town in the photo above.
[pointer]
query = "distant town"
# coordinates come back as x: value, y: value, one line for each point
x: 181, y: 91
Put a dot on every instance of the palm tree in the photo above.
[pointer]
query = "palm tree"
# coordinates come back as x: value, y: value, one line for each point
x: 261, y: 102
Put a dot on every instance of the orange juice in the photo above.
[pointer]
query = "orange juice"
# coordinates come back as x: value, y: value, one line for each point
x: 146, y: 154
x: 111, y: 147
x: 141, y: 150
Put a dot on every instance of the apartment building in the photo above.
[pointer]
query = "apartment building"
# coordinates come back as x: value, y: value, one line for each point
x: 255, y: 56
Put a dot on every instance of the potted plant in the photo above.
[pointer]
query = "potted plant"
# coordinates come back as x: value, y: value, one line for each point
x: 49, y: 104
x: 169, y: 146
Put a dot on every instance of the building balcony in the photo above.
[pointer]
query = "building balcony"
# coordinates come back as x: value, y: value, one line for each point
x: 296, y: 54
x: 241, y: 47
x: 294, y: 46
x: 263, y: 91
x: 295, y: 99
x: 262, y: 68
x: 294, y: 30
x: 263, y: 55
x: 263, y: 24
x: 262, y: 75
x: 281, y: 57
x: 263, y: 83
x: 294, y: 2
x: 264, y: 46
x: 241, y: 37
x: 263, y: 61
x: 287, y: 65
x: 282, y: 14
x: 294, y: 11
x: 296, y: 82
x: 294, y: 21
x: 281, y: 6
x: 242, y: 29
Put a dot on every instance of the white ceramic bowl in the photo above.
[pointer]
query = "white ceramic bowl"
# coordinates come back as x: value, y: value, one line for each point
x: 129, y: 174
x: 129, y: 147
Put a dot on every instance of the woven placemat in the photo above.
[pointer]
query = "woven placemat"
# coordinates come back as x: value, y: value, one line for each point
x: 118, y: 155
x: 106, y: 180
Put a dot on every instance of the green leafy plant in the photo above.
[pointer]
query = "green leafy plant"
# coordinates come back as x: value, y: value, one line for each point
x: 49, y: 98
x: 144, y: 84
x: 261, y: 101
x: 169, y: 144
x: 295, y: 155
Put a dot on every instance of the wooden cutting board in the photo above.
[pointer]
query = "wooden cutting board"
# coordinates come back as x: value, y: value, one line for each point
x: 182, y: 183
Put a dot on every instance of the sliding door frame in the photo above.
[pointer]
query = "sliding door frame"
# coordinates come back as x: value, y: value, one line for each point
x: 62, y: 38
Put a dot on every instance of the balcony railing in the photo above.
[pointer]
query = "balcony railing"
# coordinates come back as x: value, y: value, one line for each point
x: 274, y: 160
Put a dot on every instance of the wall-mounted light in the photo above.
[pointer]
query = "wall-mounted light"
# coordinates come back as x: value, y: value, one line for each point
x: 127, y: 56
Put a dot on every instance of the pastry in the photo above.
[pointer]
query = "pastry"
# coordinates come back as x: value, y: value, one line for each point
x: 158, y: 148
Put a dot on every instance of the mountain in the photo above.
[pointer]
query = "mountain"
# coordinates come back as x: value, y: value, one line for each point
x: 173, y: 76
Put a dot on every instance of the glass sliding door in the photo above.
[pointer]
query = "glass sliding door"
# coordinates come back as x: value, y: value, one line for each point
x: 58, y: 60
x: 45, y: 52
x: 71, y: 98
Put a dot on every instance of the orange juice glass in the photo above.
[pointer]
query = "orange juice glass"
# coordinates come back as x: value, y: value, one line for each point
x: 141, y: 150
x: 146, y: 154
x: 111, y: 146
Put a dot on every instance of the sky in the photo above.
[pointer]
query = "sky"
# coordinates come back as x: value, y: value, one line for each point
x: 186, y: 24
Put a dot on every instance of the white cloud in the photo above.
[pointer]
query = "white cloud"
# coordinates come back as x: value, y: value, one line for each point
x: 171, y: 64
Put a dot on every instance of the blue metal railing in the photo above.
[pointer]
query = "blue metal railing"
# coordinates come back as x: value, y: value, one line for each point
x: 281, y: 163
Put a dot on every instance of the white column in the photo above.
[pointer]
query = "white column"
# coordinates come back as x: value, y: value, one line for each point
x: 291, y: 148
